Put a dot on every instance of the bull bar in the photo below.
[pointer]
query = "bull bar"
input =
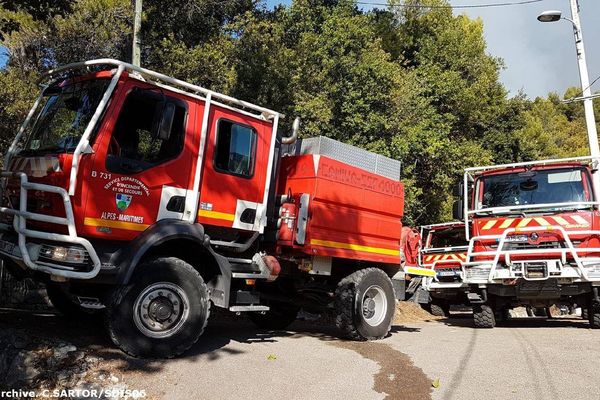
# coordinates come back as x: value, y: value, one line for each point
x: 21, y: 216
x: 499, y: 253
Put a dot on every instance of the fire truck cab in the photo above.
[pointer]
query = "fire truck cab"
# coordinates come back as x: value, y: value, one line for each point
x: 154, y: 199
x: 533, y: 232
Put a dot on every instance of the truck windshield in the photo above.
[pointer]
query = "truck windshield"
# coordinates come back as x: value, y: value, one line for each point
x: 63, y: 115
x: 450, y: 237
x: 565, y: 185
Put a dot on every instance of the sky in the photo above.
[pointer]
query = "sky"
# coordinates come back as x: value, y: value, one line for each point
x: 539, y: 57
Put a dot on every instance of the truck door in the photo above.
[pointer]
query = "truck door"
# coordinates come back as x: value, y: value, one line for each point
x: 236, y: 174
x: 142, y: 163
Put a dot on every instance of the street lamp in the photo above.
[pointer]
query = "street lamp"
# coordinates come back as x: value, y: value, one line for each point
x: 549, y: 16
x: 590, y: 120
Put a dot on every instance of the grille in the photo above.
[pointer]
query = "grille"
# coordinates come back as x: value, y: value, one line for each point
x: 526, y: 246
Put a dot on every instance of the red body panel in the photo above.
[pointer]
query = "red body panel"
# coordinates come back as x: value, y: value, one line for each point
x: 353, y: 214
x: 569, y: 221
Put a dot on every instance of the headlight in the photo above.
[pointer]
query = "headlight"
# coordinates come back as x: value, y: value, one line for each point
x: 64, y: 254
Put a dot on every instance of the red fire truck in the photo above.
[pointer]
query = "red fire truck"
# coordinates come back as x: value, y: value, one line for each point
x: 151, y: 198
x: 533, y: 231
x: 443, y: 251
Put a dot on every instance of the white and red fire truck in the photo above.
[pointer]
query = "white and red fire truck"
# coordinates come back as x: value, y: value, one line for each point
x: 534, y: 237
x: 152, y: 198
x: 443, y: 251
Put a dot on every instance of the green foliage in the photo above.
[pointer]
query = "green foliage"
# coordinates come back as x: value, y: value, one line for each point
x: 18, y: 94
x: 415, y: 84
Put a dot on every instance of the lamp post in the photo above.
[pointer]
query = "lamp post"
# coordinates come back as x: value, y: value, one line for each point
x: 590, y: 120
x: 137, y: 26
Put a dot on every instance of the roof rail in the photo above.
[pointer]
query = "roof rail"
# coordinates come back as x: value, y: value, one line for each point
x: 152, y: 75
x: 582, y: 160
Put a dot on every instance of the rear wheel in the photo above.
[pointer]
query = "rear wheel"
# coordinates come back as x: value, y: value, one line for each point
x: 483, y: 316
x: 163, y: 313
x: 365, y: 304
x: 279, y: 316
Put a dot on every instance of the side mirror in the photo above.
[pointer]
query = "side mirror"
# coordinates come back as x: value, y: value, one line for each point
x: 166, y: 121
x: 457, y: 190
x: 458, y: 211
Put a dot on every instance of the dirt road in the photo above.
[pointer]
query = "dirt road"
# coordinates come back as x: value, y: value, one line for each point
x: 526, y: 359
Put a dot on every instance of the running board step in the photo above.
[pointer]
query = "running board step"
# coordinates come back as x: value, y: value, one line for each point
x: 91, y: 303
x: 248, y: 308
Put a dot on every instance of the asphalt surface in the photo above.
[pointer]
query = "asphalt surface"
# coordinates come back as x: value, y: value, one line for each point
x: 525, y: 359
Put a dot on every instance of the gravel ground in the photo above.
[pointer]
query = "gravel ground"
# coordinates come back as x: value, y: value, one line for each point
x: 439, y: 359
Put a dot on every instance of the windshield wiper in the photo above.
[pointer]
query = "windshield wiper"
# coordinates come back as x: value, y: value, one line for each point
x: 44, y: 150
x: 505, y: 212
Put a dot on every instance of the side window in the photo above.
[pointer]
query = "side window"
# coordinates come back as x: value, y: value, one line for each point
x: 236, y: 149
x: 150, y: 130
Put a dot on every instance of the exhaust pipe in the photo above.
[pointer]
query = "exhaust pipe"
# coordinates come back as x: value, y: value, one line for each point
x: 295, y: 129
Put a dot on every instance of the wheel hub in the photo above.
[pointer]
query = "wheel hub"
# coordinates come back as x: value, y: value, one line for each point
x: 374, y: 305
x: 368, y: 308
x: 160, y: 310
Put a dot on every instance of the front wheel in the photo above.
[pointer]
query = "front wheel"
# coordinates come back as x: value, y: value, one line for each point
x: 438, y: 309
x: 483, y: 316
x: 163, y: 313
x: 365, y: 305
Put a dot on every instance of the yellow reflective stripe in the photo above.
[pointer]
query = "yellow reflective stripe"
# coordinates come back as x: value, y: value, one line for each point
x: 419, y: 271
x: 436, y: 258
x: 356, y: 247
x: 561, y: 221
x: 524, y: 222
x: 216, y: 215
x: 541, y: 221
x: 489, y: 225
x: 446, y: 257
x: 129, y: 226
x: 580, y: 220
x: 428, y: 258
x: 506, y: 223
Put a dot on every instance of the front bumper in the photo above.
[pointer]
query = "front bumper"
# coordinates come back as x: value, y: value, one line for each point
x: 533, y: 270
x: 26, y: 246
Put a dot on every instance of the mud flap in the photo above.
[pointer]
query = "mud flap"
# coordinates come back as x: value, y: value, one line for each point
x: 399, y: 284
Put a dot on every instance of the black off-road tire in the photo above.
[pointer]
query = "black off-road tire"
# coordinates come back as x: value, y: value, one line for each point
x: 120, y: 320
x: 348, y: 305
x: 279, y: 317
x: 65, y: 304
x: 436, y: 309
x: 439, y: 309
x: 584, y: 313
x: 483, y: 316
x: 594, y: 316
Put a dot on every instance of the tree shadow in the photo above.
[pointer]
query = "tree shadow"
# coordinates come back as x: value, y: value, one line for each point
x: 522, y: 322
x: 223, y: 329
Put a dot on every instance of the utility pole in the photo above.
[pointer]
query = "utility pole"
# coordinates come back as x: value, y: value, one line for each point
x: 137, y: 41
x: 588, y: 104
